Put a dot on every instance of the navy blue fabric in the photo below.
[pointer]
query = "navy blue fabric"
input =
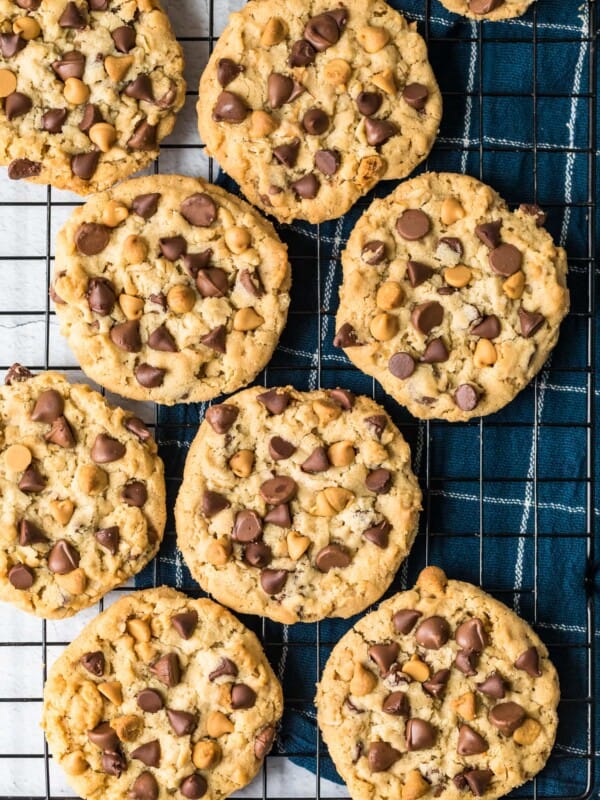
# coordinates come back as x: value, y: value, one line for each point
x: 485, y: 519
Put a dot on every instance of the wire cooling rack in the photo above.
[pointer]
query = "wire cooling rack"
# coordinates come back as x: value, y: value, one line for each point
x: 540, y: 547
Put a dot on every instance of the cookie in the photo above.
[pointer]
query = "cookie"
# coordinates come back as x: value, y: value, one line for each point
x: 488, y: 9
x: 443, y: 692
x: 161, y: 696
x: 449, y: 299
x: 88, y: 89
x: 170, y: 289
x: 82, y: 494
x: 297, y: 505
x: 307, y: 104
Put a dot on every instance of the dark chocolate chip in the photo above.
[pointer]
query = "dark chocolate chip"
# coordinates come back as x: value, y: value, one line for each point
x: 279, y: 489
x: 199, y: 209
x: 470, y: 743
x: 21, y: 577
x: 183, y: 722
x: 346, y: 336
x: 436, y: 685
x: 493, y: 686
x: 149, y: 377
x: 405, y: 620
x: 72, y: 17
x: 49, y: 406
x: 415, y: 94
x: 489, y: 233
x: 413, y: 224
x: 433, y: 633
x: 384, y: 655
x: 418, y: 273
x: 381, y: 756
x: 280, y: 516
x: 530, y: 322
x: 466, y: 397
x: 471, y: 635
x: 83, y: 165
x: 140, y: 88
x: 273, y: 580
x: 144, y: 787
x: 227, y: 71
x: 316, y: 462
x: 124, y: 38
x: 379, y: 534
x: 104, y: 737
x: 23, y: 168
x: 287, y: 154
x: 378, y: 131
x: 216, y: 339
x: 106, y: 449
x: 436, y: 352
x: 148, y: 754
x: 332, y: 556
x: 275, y: 402
x: 145, y: 205
x: 258, y: 554
x: 63, y: 558
x: 213, y: 503
x: 150, y: 701
x: 420, y: 735
x: 379, y: 481
x: 161, y: 339
x: 167, y: 669
x: 507, y: 717
x: 135, y: 494
x: 32, y: 481
x: 94, y: 663
x: 328, y: 161
x: 60, y: 433
x: 488, y: 328
x: 374, y: 252
x: 279, y: 449
x: 505, y: 259
x: 193, y: 787
x: 126, y: 336
x: 302, y: 54
x: 221, y: 417
x: 529, y: 661
x: 369, y: 103
x: 71, y: 65
x: 247, y: 526
x: 108, y: 538
x: 30, y: 534
x: 230, y: 108
x: 396, y: 704
x: 226, y: 667
x: 306, y: 187
x: 16, y: 105
x: 144, y: 136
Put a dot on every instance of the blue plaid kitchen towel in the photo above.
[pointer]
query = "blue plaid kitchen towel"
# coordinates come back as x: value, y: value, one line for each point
x: 485, y: 519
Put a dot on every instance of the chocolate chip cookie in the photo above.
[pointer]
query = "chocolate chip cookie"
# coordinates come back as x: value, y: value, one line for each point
x: 442, y: 692
x: 82, y: 494
x: 297, y: 505
x: 88, y: 89
x: 449, y: 299
x: 488, y: 9
x: 161, y: 696
x: 170, y: 289
x: 307, y: 104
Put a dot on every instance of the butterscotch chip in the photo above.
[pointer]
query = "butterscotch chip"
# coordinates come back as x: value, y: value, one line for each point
x: 103, y: 135
x: 135, y: 249
x: 181, y: 299
x: 73, y: 582
x: 114, y: 213
x: 92, y: 480
x: 451, y: 211
x: 514, y: 286
x: 383, y: 327
x: 274, y: 32
x: 17, y: 457
x: 217, y: 553
x: 237, y: 239
x: 261, y: 124
x: 337, y: 71
x: 458, y: 276
x: 415, y: 786
x: 206, y: 754
x: 139, y: 629
x: 117, y: 66
x: 76, y: 92
x: 112, y: 690
x: 247, y: 319
x: 62, y: 510
x: 341, y: 454
x: 389, y: 295
x: 74, y: 763
x: 373, y: 38
x: 27, y: 27
x: 132, y: 307
x: 8, y: 82
x: 363, y: 681
x: 416, y: 669
x: 297, y: 544
x: 485, y: 354
x: 326, y: 410
x: 465, y: 706
x: 528, y: 732
x: 217, y: 724
x: 385, y: 80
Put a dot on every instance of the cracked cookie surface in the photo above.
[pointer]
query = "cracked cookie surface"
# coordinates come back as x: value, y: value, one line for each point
x: 449, y: 299
x: 441, y: 692
x: 297, y: 505
x: 307, y: 105
x: 170, y: 289
x: 82, y: 494
x: 89, y: 89
x: 161, y: 696
x: 488, y: 9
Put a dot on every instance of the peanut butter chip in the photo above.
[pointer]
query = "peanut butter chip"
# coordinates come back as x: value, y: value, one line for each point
x: 17, y: 457
x: 8, y: 82
x: 117, y: 66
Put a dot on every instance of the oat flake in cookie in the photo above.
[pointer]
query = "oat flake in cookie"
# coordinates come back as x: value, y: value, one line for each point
x: 443, y: 692
x: 451, y: 301
x: 488, y: 9
x: 170, y: 289
x: 82, y: 494
x: 308, y: 104
x: 88, y: 89
x: 161, y: 696
x: 297, y: 505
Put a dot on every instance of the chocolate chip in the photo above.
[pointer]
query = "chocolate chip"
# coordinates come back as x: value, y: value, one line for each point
x: 279, y: 449
x: 530, y: 322
x: 226, y: 667
x: 306, y: 187
x: 60, y: 433
x: 230, y: 108
x: 63, y: 558
x: 273, y: 580
x: 396, y: 704
x: 95, y: 663
x: 212, y: 282
x: 258, y: 554
x: 148, y: 754
x: 427, y: 316
x: 433, y: 633
x: 287, y: 154
x: 470, y: 743
x: 488, y: 328
x: 484, y: 7
x: 327, y: 161
x: 436, y: 685
x: 405, y: 620
x: 264, y: 742
x: 149, y: 377
x: 193, y: 787
x: 71, y: 65
x: 379, y: 481
x: 401, y: 365
x: 72, y: 17
x: 135, y: 494
x: 280, y: 516
x: 145, y: 205
x: 413, y: 224
x: 316, y: 462
x: 83, y: 165
x: 381, y: 756
x: 140, y: 88
x: 124, y: 38
x: 17, y: 374
x: 493, y: 686
x: 376, y: 424
x: 216, y: 339
x: 333, y: 556
x: 507, y: 717
x: 251, y: 284
x: 534, y: 210
x: 466, y: 397
x: 479, y: 779
x: 185, y: 623
x: 418, y: 273
x: 167, y: 669
x: 138, y: 428
x: 227, y: 71
x: 466, y: 661
x: 302, y: 54
x: 384, y: 655
x: 275, y: 402
x: 436, y: 352
x: 279, y: 489
x: 144, y: 136
x: 415, y: 95
x: 343, y: 397
x: 91, y: 116
x: 505, y: 259
x: 247, y: 526
x: 106, y: 449
x: 489, y: 233
x: 221, y: 417
x: 529, y: 661
x: 315, y: 121
x: 150, y: 701
x: 16, y: 105
x: 126, y: 336
x: 379, y: 534
x: 369, y: 103
x: 242, y: 696
x: 23, y: 168
x: 213, y: 503
x: 160, y: 300
x: 101, y: 296
x: 323, y: 30
x: 108, y: 538
x: 282, y: 89
x: 11, y: 44
x: 199, y: 209
x: 49, y: 406
x: 472, y: 635
x: 378, y: 131
x: 91, y: 238
x: 113, y: 763
x: 29, y: 5
x: 373, y: 252
x: 420, y: 735
x: 161, y: 339
x: 104, y: 737
x: 144, y: 787
x: 30, y: 534
x: 182, y: 722
x: 346, y: 337
x: 21, y: 577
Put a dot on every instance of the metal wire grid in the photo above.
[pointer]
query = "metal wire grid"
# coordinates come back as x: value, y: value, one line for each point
x: 328, y: 374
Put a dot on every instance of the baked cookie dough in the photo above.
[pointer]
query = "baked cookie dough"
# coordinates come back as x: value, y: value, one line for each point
x: 88, y: 89
x: 161, y: 696
x: 443, y: 692
x: 297, y: 505
x: 451, y: 301
x: 170, y: 289
x: 488, y: 9
x: 307, y: 104
x: 82, y: 494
